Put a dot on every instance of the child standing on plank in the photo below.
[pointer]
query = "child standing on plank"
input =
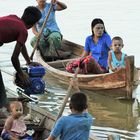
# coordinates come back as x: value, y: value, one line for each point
x: 116, y: 59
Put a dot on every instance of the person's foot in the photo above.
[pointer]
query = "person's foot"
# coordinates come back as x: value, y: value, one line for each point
x: 3, y: 112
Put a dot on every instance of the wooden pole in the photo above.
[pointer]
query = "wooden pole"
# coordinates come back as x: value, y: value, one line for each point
x: 67, y: 96
x: 41, y: 31
x: 129, y: 76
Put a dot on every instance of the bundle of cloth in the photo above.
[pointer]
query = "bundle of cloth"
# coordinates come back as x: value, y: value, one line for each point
x: 87, y: 65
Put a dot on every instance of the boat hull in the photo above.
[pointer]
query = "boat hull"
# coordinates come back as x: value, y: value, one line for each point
x: 118, y: 84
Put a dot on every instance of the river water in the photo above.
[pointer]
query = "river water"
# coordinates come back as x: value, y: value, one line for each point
x: 121, y: 18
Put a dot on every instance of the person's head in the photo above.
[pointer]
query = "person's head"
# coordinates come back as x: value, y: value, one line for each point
x: 78, y: 102
x: 41, y: 3
x: 16, y: 109
x: 30, y: 16
x: 97, y: 27
x: 117, y: 44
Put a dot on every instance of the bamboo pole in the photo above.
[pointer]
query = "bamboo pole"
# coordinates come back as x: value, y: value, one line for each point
x: 67, y: 96
x: 41, y: 31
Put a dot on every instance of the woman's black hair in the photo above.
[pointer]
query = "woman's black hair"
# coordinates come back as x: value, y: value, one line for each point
x: 78, y: 101
x: 97, y: 21
x: 31, y: 15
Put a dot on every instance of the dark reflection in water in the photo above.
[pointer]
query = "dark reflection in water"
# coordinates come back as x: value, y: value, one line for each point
x: 109, y: 112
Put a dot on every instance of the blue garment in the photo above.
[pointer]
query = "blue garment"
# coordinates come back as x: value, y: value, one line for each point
x: 100, y: 50
x: 6, y: 136
x: 73, y: 127
x: 115, y: 62
x: 51, y: 22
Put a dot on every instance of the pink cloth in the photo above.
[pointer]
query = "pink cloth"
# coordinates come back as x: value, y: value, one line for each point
x: 19, y: 127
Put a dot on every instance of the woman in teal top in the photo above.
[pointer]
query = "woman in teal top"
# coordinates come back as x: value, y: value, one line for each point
x: 51, y: 38
x: 116, y: 59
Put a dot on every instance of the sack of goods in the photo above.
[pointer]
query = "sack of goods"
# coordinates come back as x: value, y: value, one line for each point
x: 37, y: 85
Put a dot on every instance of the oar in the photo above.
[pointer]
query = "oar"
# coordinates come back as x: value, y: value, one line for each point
x: 67, y: 96
x: 41, y: 31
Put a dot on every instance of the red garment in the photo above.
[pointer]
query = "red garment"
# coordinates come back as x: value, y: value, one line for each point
x: 12, y: 28
x: 87, y: 65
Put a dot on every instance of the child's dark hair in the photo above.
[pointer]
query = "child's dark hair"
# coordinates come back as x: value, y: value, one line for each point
x: 31, y: 15
x: 97, y: 21
x: 78, y: 101
x: 117, y: 38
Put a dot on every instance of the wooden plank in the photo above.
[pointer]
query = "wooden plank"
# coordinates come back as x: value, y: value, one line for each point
x: 60, y: 63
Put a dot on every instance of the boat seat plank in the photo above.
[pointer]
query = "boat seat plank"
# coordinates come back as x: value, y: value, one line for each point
x: 60, y: 63
x: 35, y: 127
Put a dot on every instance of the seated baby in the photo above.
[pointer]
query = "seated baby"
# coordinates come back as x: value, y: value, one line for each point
x: 15, y: 128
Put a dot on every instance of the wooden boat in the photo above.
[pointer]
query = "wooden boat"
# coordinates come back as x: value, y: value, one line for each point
x: 40, y: 120
x: 118, y: 84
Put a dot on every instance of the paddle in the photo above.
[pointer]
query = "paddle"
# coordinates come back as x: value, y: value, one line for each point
x: 67, y: 96
x: 41, y: 31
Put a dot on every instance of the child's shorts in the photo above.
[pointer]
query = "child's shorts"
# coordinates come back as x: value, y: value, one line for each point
x: 6, y: 136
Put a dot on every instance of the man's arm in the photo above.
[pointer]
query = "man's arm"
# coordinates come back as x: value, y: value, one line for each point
x: 27, y: 58
x: 16, y: 63
x: 25, y: 54
x: 15, y: 57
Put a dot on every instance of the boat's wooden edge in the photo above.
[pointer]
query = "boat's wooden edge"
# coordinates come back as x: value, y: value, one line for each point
x: 50, y: 64
x: 11, y: 93
x: 71, y: 74
x: 61, y: 61
x: 93, y: 137
x: 136, y: 76
x: 129, y: 76
x: 65, y: 41
x: 77, y: 50
x: 41, y: 111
